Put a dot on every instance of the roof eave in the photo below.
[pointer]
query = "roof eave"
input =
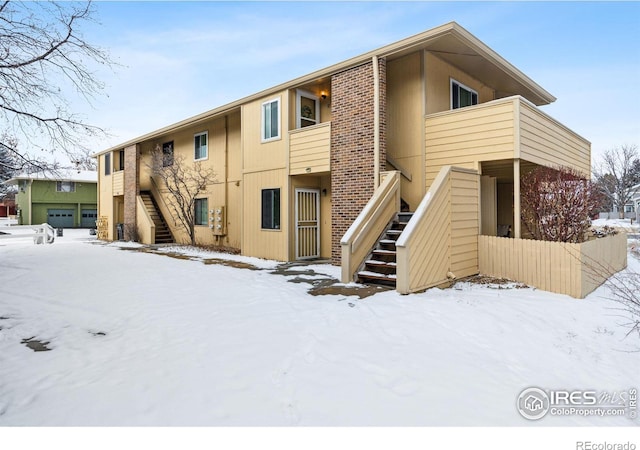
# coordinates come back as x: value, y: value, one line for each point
x: 404, y: 45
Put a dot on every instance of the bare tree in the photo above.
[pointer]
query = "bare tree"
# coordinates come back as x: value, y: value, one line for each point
x: 617, y: 174
x: 184, y: 183
x: 557, y: 204
x: 45, y: 62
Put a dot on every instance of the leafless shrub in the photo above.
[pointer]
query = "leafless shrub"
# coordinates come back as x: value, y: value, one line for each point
x: 557, y: 204
x: 184, y: 182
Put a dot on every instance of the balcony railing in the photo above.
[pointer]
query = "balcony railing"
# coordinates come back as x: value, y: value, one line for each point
x: 502, y: 129
x: 309, y: 149
x: 117, y: 180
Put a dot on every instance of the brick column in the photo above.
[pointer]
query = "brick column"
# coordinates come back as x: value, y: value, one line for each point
x: 352, y: 148
x: 131, y: 188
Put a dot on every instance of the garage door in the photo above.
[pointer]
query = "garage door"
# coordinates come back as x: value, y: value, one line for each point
x: 89, y: 217
x: 60, y: 218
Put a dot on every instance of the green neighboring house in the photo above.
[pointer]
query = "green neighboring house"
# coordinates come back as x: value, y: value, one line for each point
x: 64, y: 199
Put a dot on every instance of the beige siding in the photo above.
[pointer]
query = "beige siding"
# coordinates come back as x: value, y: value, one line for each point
x: 146, y: 227
x: 105, y: 197
x: 438, y: 87
x: 223, y: 158
x: 405, y: 126
x: 572, y: 269
x: 257, y: 155
x: 464, y: 137
x: 465, y: 224
x: 117, y: 180
x: 499, y: 130
x: 441, y: 238
x: 546, y: 142
x: 310, y: 149
x: 272, y: 244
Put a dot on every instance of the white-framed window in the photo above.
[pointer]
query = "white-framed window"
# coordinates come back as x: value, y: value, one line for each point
x: 307, y: 109
x: 65, y: 186
x: 462, y: 95
x: 270, y: 120
x: 200, y: 142
x: 270, y: 209
x: 201, y: 213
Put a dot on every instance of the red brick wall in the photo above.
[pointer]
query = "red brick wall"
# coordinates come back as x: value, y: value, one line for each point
x: 352, y: 144
x: 131, y: 188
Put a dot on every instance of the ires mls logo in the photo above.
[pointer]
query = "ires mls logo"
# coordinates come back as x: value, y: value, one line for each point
x: 535, y: 403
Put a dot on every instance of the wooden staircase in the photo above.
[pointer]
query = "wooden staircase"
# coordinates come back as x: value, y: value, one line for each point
x: 380, y: 265
x: 163, y: 234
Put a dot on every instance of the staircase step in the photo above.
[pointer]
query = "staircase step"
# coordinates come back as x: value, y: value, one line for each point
x: 382, y: 267
x: 377, y: 278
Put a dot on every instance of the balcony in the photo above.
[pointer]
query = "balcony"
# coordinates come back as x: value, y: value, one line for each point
x: 504, y: 129
x: 309, y: 149
x: 117, y: 180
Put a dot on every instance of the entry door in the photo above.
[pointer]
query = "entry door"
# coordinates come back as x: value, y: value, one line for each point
x: 307, y: 223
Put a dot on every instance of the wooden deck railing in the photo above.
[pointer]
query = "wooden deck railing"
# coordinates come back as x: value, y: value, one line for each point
x: 369, y: 225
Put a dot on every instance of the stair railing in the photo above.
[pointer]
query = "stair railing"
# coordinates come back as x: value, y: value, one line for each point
x: 361, y: 236
x: 424, y: 250
x: 146, y: 227
x: 159, y: 199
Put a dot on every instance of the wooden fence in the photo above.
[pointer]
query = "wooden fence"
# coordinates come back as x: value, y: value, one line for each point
x: 572, y: 269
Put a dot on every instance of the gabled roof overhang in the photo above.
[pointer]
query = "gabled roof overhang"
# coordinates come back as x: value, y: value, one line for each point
x: 450, y: 42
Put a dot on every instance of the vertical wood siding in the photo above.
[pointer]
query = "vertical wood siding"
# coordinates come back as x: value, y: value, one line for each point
x: 441, y: 237
x: 563, y: 268
x: 271, y: 244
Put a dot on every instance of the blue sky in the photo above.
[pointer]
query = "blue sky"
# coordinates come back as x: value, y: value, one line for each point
x: 182, y: 58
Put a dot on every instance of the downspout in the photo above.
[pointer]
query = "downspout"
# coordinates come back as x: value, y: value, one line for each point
x: 376, y: 122
x: 226, y: 178
x: 29, y: 184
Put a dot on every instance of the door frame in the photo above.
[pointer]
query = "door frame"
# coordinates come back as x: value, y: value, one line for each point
x: 297, y: 226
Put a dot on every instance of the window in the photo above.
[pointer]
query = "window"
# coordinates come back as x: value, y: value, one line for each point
x: 121, y: 165
x: 271, y: 209
x: 167, y: 154
x: 462, y: 96
x: 271, y: 120
x: 200, y: 146
x: 107, y: 164
x: 307, y: 109
x: 201, y: 211
x: 65, y: 186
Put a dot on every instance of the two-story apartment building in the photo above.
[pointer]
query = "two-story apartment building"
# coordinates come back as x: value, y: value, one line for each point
x: 317, y: 166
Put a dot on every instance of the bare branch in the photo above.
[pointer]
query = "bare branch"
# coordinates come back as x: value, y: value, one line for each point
x: 184, y: 184
x: 44, y: 62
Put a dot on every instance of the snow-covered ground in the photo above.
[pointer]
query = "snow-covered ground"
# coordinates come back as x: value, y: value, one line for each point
x: 139, y: 338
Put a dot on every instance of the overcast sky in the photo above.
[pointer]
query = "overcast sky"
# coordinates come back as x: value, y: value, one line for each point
x: 179, y: 59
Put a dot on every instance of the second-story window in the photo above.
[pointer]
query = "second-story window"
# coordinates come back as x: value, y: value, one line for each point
x: 271, y: 120
x: 462, y: 95
x: 167, y: 154
x: 121, y: 165
x: 65, y: 186
x: 107, y: 164
x: 308, y: 109
x: 200, y: 146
